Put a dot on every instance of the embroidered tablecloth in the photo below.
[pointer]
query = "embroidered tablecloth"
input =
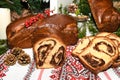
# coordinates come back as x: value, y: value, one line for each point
x: 71, y: 70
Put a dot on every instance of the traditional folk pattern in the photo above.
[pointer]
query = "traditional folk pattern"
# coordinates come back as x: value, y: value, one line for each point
x: 72, y: 70
x: 30, y: 70
x: 3, y: 68
x: 117, y: 71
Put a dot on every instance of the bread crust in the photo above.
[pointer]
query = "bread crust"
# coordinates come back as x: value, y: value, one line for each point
x: 20, y: 36
x: 107, y: 18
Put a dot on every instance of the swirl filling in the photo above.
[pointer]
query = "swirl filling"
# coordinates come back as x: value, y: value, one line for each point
x: 93, y: 61
x: 105, y: 48
x: 58, y: 57
x: 44, y: 49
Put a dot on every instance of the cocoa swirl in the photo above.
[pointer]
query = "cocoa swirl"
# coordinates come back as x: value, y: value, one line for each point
x: 109, y: 51
x: 118, y: 59
x: 93, y: 61
x: 58, y: 57
x: 43, y: 51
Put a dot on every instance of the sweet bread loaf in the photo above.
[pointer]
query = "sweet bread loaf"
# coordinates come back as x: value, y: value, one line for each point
x: 68, y: 38
x: 107, y: 18
x: 99, y: 55
x: 116, y: 40
x: 65, y: 24
x: 20, y: 36
x: 49, y: 52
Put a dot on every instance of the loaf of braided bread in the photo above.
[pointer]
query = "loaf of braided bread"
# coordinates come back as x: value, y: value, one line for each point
x: 105, y: 15
x: 18, y: 35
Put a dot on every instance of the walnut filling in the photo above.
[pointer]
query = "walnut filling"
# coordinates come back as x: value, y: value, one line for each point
x: 118, y: 59
x: 58, y: 58
x: 105, y: 48
x: 93, y: 61
x: 44, y: 50
x: 52, y: 42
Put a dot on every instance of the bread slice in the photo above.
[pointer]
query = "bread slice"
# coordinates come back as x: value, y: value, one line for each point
x: 82, y: 44
x: 49, y: 52
x: 116, y: 40
x: 99, y: 55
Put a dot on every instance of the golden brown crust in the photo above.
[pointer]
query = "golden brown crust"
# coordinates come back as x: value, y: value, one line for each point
x: 66, y: 25
x: 106, y: 16
x: 18, y: 35
x: 63, y: 25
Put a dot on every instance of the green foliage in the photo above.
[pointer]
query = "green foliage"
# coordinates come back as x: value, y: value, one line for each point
x: 3, y: 46
x: 88, y: 25
x: 115, y: 0
x: 92, y: 28
x: 77, y: 12
x: 60, y: 8
x: 118, y: 32
x: 82, y: 31
x: 14, y: 5
x: 34, y: 6
x: 65, y: 10
x: 84, y: 7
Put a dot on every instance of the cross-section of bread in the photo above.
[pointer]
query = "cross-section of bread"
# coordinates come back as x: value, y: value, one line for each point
x: 116, y: 40
x: 99, y: 55
x: 82, y: 44
x: 49, y: 52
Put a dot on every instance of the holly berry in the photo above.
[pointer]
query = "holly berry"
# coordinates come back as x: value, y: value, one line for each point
x: 34, y: 19
x: 47, y: 12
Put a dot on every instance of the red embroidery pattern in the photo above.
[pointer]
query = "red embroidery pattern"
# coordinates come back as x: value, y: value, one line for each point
x: 3, y: 69
x: 117, y: 71
x: 72, y: 70
x: 30, y: 70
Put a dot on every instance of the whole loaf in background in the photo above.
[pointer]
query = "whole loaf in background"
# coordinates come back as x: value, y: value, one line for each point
x: 64, y: 25
x: 107, y: 17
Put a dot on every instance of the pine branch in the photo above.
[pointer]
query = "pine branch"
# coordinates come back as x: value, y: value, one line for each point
x: 34, y: 6
x: 3, y: 46
x: 92, y: 28
x: 13, y: 5
x: 117, y: 32
x: 84, y: 7
x: 82, y: 31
